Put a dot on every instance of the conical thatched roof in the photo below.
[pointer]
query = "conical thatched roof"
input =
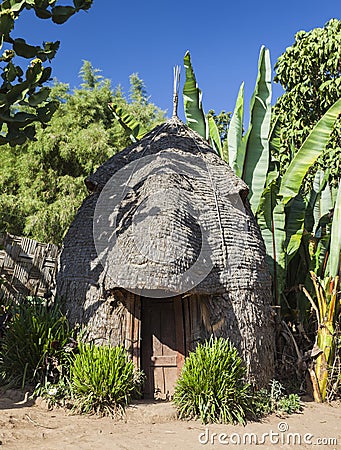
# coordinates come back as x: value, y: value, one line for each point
x: 171, y: 216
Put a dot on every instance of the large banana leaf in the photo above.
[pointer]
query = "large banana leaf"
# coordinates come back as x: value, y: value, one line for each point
x: 271, y: 220
x: 280, y: 261
x: 274, y: 138
x: 315, y: 204
x: 265, y: 220
x: 321, y: 253
x: 310, y: 150
x: 333, y: 266
x: 236, y: 151
x: 192, y: 95
x: 295, y: 214
x: 215, y: 140
x: 324, y: 203
x: 256, y: 162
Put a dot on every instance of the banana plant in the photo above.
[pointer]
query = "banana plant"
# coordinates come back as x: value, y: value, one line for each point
x: 334, y: 261
x: 254, y: 147
x: 248, y: 155
x: 278, y: 205
x: 326, y: 307
x: 288, y: 219
x: 194, y: 112
x: 235, y: 135
x: 326, y: 292
x: 192, y: 97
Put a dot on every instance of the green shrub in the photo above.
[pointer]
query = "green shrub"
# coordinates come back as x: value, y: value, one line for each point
x: 31, y: 347
x: 273, y: 400
x: 102, y: 379
x: 211, y: 385
x: 289, y: 404
x: 55, y: 394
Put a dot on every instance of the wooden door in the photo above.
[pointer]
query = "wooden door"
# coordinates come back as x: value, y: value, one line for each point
x: 162, y: 345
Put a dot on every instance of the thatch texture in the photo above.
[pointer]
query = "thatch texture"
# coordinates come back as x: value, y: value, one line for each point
x: 167, y: 216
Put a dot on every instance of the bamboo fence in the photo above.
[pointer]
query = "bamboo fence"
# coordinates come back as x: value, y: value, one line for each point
x: 27, y: 267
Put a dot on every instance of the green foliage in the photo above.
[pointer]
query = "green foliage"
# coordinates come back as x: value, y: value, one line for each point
x: 255, y: 142
x: 248, y: 154
x: 307, y: 154
x: 310, y: 73
x: 211, y: 385
x: 289, y: 404
x: 90, y: 76
x: 31, y: 348
x: 138, y: 92
x: 42, y: 182
x: 23, y: 96
x: 235, y: 135
x: 222, y: 121
x: 283, y: 212
x: 212, y: 127
x: 218, y: 127
x: 103, y: 379
x: 334, y: 257
x: 128, y: 122
x: 273, y: 400
x: 192, y: 96
x: 55, y: 394
x: 305, y: 135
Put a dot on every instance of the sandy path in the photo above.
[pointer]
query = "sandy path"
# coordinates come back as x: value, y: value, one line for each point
x: 153, y: 427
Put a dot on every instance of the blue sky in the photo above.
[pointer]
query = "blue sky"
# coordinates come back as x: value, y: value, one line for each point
x: 151, y: 37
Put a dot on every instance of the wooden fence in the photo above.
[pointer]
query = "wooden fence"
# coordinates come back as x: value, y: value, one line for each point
x: 27, y: 267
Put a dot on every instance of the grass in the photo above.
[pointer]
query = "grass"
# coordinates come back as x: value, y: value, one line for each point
x: 211, y: 385
x: 31, y: 347
x: 103, y: 379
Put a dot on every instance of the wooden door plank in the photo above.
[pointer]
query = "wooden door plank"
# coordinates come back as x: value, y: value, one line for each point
x: 164, y: 361
x: 146, y: 348
x: 136, y: 335
x: 187, y: 324
x: 179, y: 333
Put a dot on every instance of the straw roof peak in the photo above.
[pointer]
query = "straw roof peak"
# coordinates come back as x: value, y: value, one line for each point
x: 176, y: 85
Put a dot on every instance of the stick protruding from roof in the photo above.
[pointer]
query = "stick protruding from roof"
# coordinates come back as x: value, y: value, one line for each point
x: 176, y: 90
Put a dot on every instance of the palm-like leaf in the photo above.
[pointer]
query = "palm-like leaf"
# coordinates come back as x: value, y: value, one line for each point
x: 192, y: 95
x: 256, y: 163
x: 234, y: 136
x: 131, y: 126
x: 333, y: 266
x: 215, y: 140
x: 310, y: 150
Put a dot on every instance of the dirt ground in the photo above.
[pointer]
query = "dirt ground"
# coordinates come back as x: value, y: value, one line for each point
x: 30, y: 425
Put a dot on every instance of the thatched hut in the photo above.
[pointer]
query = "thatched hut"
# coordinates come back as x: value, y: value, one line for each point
x: 165, y: 252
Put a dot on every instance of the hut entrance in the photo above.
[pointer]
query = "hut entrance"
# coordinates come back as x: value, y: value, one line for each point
x: 162, y: 345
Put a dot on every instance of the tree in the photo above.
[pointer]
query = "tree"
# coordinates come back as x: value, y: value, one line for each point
x: 310, y: 73
x: 140, y: 106
x: 24, y: 96
x: 42, y: 182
